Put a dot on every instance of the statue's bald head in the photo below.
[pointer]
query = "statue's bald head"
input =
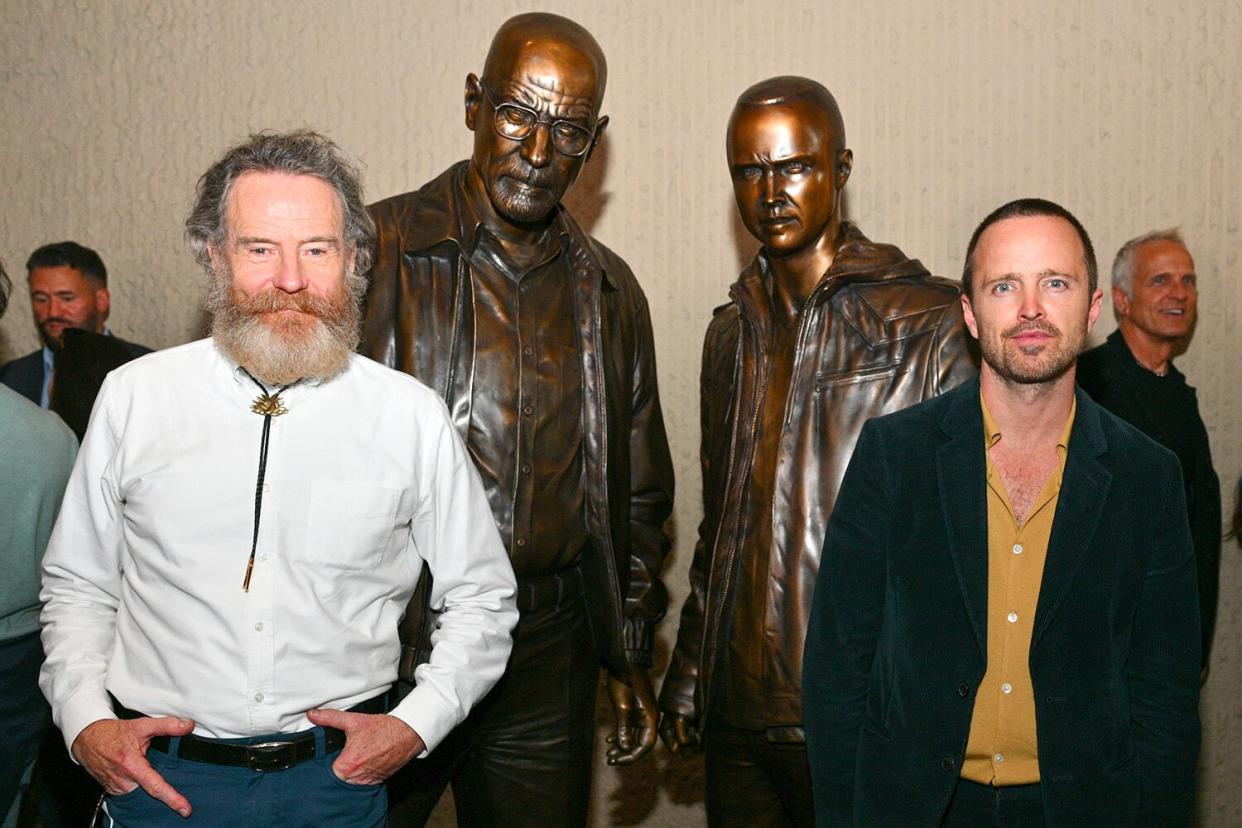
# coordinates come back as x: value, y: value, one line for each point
x: 790, y: 90
x: 547, y: 48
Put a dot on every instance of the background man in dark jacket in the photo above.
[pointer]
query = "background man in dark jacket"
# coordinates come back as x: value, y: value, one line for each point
x: 68, y: 289
x: 539, y: 339
x: 1006, y: 627
x: 826, y: 329
x: 1155, y: 298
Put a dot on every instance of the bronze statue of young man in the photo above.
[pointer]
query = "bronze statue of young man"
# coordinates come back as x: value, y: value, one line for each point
x: 825, y: 329
x: 539, y: 340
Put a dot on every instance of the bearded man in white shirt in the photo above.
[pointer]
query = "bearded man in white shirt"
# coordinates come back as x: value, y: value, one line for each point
x: 220, y: 642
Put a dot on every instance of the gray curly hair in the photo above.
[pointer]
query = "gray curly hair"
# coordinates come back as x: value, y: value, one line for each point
x: 301, y: 152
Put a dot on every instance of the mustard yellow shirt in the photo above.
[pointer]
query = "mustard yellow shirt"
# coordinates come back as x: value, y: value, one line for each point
x: 1003, y: 748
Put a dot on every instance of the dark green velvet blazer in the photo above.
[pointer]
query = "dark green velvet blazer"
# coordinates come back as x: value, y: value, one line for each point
x: 897, y: 641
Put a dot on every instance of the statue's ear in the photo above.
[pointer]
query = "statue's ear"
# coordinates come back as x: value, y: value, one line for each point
x: 474, y: 96
x: 845, y: 164
x: 599, y: 133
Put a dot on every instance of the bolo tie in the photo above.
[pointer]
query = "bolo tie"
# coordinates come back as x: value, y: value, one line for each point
x: 268, y: 405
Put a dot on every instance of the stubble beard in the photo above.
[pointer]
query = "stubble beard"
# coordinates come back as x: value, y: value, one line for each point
x: 1012, y: 362
x: 91, y: 323
x: 315, y: 343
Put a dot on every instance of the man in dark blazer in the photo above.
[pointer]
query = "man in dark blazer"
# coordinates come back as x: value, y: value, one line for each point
x: 68, y: 289
x: 1005, y: 630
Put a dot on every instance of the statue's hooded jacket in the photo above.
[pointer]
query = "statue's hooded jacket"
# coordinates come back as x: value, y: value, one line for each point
x: 877, y: 334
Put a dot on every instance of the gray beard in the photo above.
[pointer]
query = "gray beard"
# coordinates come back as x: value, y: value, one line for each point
x: 316, y: 344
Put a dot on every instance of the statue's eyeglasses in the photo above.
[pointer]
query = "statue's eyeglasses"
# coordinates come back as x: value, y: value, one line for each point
x: 517, y: 122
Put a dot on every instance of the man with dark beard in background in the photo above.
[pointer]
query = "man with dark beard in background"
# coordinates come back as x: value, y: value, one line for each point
x: 68, y: 291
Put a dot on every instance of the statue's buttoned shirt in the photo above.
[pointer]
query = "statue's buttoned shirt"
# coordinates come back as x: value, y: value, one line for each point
x: 527, y: 392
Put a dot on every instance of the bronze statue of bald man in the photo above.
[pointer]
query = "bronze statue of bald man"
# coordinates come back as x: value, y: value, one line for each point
x: 824, y: 329
x: 539, y: 340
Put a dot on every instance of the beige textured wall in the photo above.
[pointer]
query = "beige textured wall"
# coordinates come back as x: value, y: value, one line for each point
x: 1128, y: 113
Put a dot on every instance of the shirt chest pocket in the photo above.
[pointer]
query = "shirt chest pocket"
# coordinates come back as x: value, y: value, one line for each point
x: 350, y: 525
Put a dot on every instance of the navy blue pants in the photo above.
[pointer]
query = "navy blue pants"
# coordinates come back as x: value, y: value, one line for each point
x: 304, y: 796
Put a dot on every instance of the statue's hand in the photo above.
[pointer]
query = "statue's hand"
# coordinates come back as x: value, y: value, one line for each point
x: 679, y: 733
x: 634, y: 704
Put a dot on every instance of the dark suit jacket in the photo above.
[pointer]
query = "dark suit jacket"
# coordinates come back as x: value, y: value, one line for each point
x: 898, y: 633
x: 25, y: 374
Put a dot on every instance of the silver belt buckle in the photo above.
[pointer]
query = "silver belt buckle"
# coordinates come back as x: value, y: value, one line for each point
x: 269, y: 757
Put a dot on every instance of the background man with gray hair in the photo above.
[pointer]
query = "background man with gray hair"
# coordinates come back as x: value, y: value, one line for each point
x: 224, y: 640
x: 1155, y: 294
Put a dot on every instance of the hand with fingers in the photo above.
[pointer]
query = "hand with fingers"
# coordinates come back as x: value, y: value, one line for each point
x: 679, y: 733
x: 115, y: 753
x: 376, y: 745
x: 634, y: 705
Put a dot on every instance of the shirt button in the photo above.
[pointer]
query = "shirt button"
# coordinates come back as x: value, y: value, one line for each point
x: 527, y: 410
x: 258, y: 697
x: 1006, y: 688
x: 258, y: 627
x: 521, y: 541
x: 963, y: 689
x: 1017, y: 549
x: 526, y: 468
x: 262, y: 556
x: 947, y: 763
x: 528, y: 350
x: 267, y: 487
x: 1000, y: 757
x: 1013, y: 617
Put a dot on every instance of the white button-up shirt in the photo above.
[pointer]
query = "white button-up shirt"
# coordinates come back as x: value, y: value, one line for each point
x: 366, y: 481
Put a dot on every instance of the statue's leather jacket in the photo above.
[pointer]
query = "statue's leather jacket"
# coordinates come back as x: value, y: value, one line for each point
x: 877, y: 334
x: 419, y: 319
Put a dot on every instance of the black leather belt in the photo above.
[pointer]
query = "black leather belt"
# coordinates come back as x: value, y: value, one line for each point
x: 277, y: 754
x: 548, y: 591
